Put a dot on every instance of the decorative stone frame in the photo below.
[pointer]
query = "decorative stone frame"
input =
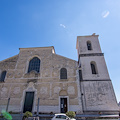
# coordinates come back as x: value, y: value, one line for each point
x: 30, y: 88
x: 89, y: 42
x: 28, y: 60
x: 95, y: 65
x: 67, y: 102
x: 60, y: 73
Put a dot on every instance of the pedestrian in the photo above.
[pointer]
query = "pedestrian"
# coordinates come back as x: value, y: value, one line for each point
x: 99, y: 113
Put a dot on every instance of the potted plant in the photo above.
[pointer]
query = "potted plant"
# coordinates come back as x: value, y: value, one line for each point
x: 70, y: 114
x: 26, y: 115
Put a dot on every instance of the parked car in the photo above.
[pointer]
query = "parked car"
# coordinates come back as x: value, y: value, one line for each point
x: 61, y: 116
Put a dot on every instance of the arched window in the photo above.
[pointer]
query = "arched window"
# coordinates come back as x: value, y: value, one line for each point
x: 63, y: 73
x: 93, y: 67
x: 89, y: 46
x: 2, y: 78
x: 34, y: 64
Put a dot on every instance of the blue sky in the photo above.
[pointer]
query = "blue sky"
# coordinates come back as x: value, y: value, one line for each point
x: 41, y: 23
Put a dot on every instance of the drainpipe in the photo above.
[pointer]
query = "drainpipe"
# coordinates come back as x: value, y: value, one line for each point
x: 38, y: 106
x: 7, y: 104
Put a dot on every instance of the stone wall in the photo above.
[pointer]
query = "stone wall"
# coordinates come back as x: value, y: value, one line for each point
x: 47, y: 84
x: 99, y: 96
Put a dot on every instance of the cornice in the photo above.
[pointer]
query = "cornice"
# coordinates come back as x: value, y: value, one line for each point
x: 91, y: 54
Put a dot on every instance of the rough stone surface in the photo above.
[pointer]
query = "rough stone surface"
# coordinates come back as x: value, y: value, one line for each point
x: 97, y: 91
x: 47, y: 84
x: 92, y: 93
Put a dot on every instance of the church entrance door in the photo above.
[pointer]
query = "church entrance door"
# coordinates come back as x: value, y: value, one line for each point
x: 63, y: 105
x: 28, y: 103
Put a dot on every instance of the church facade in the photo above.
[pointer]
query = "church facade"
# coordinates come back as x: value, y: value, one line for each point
x: 61, y: 84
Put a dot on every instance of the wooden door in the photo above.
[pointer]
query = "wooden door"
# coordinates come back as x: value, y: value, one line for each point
x: 28, y: 103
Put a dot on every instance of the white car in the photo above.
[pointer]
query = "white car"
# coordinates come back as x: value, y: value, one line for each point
x: 61, y: 116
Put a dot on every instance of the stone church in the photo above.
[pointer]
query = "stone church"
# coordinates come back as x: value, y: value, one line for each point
x: 61, y: 84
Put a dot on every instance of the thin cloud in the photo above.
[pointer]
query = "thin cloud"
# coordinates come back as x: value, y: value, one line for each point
x: 62, y: 25
x: 105, y: 14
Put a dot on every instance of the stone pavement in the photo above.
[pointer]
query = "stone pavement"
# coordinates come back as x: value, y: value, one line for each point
x: 78, y: 117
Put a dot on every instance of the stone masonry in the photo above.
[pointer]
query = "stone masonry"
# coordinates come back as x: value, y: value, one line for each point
x: 47, y: 84
x: 83, y: 91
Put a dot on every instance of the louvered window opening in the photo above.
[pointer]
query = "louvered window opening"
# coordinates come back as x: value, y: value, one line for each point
x: 93, y: 69
x: 63, y: 73
x: 89, y: 46
x: 34, y: 64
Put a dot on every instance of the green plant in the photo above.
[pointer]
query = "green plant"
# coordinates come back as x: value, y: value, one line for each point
x: 70, y: 114
x: 27, y: 114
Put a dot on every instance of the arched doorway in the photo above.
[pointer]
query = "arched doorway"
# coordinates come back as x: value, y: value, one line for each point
x: 28, y: 102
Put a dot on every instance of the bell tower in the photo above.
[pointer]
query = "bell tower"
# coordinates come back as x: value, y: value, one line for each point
x: 96, y: 87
